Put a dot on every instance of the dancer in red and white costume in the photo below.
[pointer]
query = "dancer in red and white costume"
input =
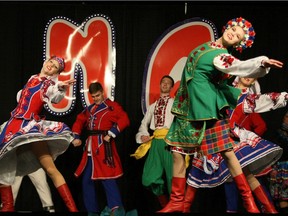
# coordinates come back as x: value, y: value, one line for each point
x: 28, y: 141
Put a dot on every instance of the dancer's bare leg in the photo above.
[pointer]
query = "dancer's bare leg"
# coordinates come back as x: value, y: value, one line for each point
x: 232, y: 162
x: 42, y: 152
x: 252, y: 180
x: 179, y: 165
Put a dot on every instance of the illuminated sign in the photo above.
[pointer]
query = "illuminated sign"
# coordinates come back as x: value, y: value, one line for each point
x: 169, y: 53
x: 89, y: 52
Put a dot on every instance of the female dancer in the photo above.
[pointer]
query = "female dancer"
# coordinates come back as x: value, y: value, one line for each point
x: 28, y: 141
x: 203, y: 98
x: 254, y: 153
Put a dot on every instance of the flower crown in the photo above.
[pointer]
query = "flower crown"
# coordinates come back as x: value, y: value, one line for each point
x: 248, y: 29
x: 60, y: 61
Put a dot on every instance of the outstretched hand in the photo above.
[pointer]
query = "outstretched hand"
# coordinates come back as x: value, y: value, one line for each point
x: 65, y: 84
x: 272, y: 63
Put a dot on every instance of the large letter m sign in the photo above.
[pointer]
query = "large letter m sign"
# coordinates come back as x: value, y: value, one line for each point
x: 89, y: 52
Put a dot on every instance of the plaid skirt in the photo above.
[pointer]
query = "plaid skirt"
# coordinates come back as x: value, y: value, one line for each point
x: 210, y: 136
x: 217, y: 138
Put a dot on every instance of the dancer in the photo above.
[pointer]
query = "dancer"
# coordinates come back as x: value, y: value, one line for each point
x: 202, y: 100
x: 28, y: 141
x: 255, y: 123
x: 254, y: 153
x: 38, y: 178
x: 104, y: 120
x: 279, y: 175
x: 158, y: 118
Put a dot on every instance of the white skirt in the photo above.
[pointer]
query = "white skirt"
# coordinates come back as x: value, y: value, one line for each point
x: 16, y: 158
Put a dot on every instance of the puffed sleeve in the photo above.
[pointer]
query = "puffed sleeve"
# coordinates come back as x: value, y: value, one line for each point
x: 52, y: 92
x: 143, y: 129
x: 265, y: 102
x: 229, y: 64
x: 57, y: 93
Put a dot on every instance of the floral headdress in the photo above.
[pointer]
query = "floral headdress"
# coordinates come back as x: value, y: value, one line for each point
x: 60, y: 61
x: 248, y: 29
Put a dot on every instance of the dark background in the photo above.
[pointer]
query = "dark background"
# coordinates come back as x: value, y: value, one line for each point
x: 138, y: 25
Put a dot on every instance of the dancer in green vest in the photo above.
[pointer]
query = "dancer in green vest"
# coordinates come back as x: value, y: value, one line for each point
x: 202, y: 100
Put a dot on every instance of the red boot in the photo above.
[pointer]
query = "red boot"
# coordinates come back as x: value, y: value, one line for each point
x: 261, y: 195
x: 176, y: 203
x: 67, y: 198
x: 7, y: 199
x: 163, y: 200
x: 246, y: 193
x: 189, y: 198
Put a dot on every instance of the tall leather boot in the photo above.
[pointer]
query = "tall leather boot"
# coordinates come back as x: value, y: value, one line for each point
x: 67, y: 197
x: 7, y: 199
x: 189, y: 198
x: 246, y: 193
x: 163, y: 200
x: 176, y: 203
x: 261, y: 195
